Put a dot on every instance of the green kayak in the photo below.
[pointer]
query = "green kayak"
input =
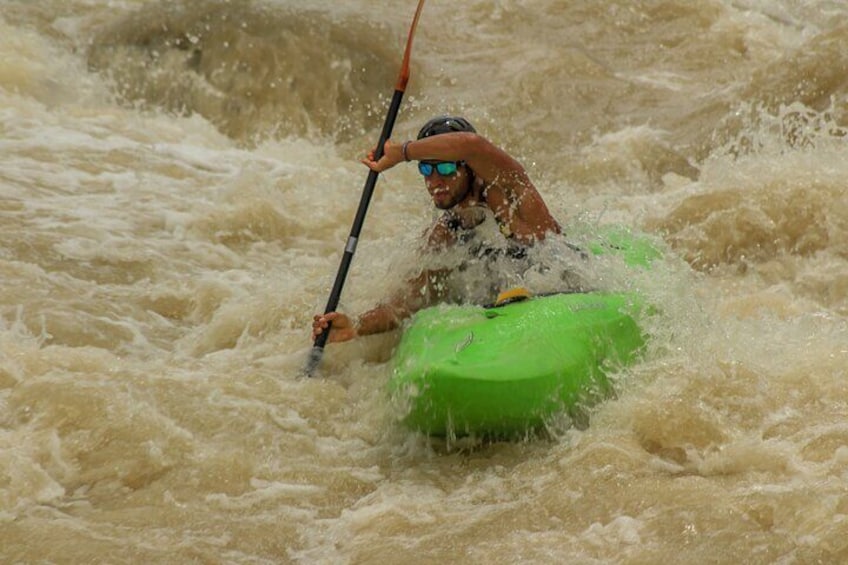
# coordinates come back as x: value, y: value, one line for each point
x: 507, y: 369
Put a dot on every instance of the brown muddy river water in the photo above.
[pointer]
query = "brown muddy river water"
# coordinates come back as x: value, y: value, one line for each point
x: 177, y: 181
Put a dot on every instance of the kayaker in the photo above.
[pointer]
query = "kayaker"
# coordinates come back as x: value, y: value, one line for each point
x: 469, y: 178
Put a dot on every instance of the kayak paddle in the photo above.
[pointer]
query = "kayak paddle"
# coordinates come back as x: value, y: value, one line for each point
x: 350, y: 248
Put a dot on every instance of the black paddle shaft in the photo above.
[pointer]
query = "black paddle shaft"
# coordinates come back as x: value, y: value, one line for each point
x: 353, y: 239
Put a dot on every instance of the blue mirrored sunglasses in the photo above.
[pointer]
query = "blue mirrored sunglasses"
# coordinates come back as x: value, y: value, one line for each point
x: 444, y: 168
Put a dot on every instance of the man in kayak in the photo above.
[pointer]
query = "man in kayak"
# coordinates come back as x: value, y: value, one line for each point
x: 469, y: 178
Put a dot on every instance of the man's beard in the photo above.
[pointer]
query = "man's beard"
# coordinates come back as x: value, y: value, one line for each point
x: 454, y: 200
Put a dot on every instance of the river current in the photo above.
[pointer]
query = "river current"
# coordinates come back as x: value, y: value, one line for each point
x: 177, y: 182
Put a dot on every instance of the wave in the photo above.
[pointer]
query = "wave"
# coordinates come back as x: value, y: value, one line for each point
x: 251, y: 69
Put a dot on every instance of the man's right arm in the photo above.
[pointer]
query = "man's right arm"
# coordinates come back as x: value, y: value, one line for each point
x: 418, y: 293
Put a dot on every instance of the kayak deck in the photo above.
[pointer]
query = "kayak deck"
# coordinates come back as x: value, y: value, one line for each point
x: 470, y: 370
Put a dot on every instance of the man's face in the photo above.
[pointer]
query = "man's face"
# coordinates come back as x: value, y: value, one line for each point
x: 447, y: 190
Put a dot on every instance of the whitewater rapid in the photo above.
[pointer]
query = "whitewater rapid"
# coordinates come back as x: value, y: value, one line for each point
x: 177, y: 181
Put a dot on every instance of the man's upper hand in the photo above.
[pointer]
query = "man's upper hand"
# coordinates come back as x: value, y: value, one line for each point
x: 392, y: 155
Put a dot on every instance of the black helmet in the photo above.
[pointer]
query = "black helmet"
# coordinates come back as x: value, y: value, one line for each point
x: 445, y: 124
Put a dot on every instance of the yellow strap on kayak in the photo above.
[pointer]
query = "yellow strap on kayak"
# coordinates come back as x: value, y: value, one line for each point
x: 512, y: 295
